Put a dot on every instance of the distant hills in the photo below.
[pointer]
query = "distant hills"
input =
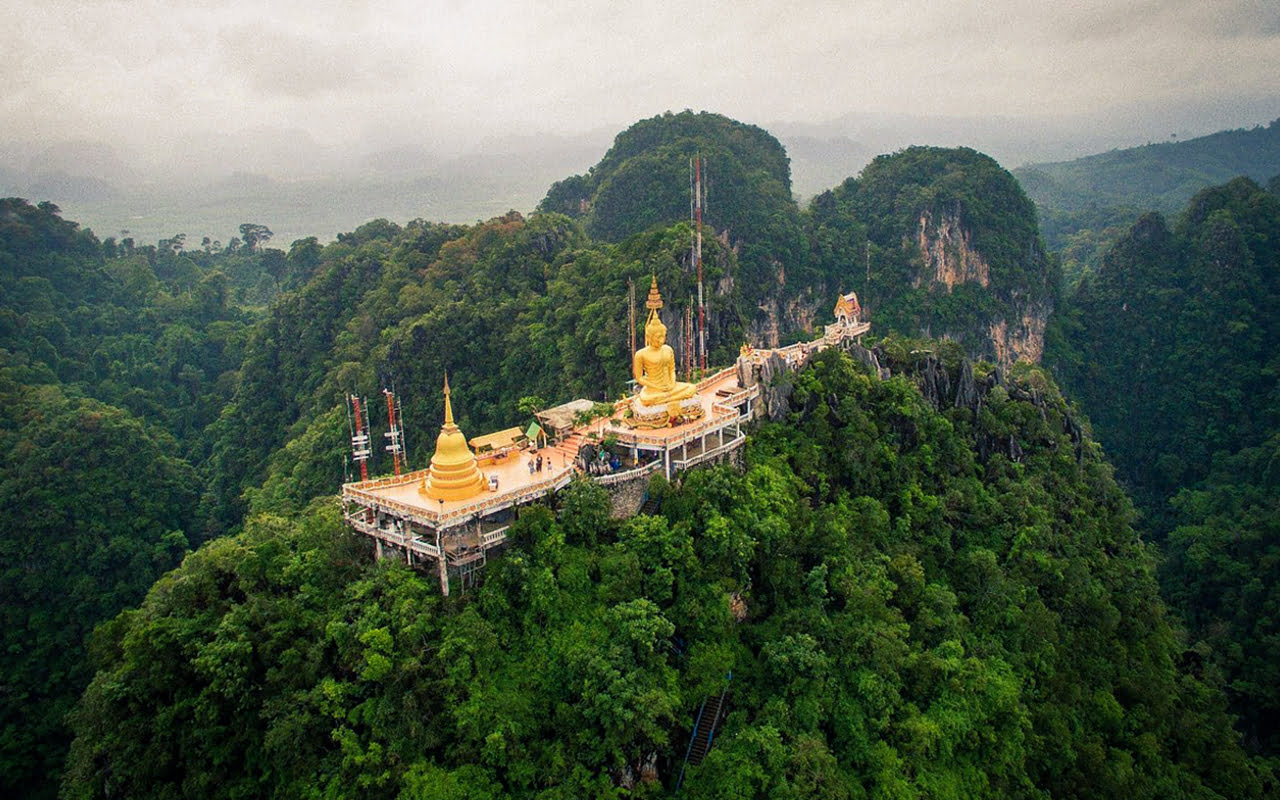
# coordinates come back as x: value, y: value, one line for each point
x: 1087, y: 204
x: 300, y: 189
x: 402, y: 185
x: 1156, y: 177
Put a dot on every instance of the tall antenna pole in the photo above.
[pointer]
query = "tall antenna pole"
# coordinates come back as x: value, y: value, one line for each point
x: 691, y: 357
x: 404, y: 445
x: 359, y: 439
x: 692, y: 202
x: 702, y: 320
x: 631, y: 289
x: 395, y: 445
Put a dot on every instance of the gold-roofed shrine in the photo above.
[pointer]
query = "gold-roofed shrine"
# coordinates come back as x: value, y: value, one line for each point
x: 848, y: 311
x: 498, y: 443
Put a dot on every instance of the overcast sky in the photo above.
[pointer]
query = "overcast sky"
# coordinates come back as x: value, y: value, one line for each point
x: 162, y: 80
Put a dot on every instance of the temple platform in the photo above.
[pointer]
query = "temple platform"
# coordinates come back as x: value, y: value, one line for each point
x: 454, y: 533
x: 456, y: 536
x: 725, y: 406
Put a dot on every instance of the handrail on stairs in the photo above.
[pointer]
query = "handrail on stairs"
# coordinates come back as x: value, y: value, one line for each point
x: 693, y: 737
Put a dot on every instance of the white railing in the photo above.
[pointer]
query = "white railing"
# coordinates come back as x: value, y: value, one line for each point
x: 389, y: 481
x: 698, y: 458
x: 716, y: 378
x: 721, y: 416
x: 393, y: 537
x: 620, y: 477
x: 424, y: 547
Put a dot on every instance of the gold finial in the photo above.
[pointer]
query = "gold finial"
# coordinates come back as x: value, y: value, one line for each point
x: 448, y: 406
x: 655, y: 298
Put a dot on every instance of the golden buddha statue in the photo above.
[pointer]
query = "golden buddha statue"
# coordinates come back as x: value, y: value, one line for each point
x: 662, y: 398
x: 654, y: 367
x: 454, y: 474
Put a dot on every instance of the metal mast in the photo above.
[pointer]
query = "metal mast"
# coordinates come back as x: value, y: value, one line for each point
x: 394, y: 434
x: 359, y: 437
x: 698, y: 196
x: 631, y: 289
x: 690, y: 356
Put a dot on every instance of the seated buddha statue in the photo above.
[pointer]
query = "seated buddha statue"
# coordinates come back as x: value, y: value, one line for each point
x: 654, y: 367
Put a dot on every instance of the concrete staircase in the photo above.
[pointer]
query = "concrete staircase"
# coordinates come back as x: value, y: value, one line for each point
x: 567, y: 449
x: 652, y: 505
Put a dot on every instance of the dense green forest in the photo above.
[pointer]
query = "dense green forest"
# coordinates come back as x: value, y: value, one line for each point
x: 927, y: 615
x: 946, y: 593
x: 1171, y: 350
x: 1182, y: 322
x: 115, y: 361
x: 643, y: 182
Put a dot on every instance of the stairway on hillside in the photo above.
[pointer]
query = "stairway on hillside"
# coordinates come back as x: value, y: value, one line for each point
x: 704, y: 733
x: 652, y: 505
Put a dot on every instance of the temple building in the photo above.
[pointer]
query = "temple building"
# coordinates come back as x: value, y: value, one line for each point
x: 848, y: 311
x: 455, y: 513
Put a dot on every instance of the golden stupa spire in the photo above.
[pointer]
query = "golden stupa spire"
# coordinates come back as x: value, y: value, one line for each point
x: 655, y: 297
x: 653, y: 304
x: 448, y: 405
x: 454, y: 474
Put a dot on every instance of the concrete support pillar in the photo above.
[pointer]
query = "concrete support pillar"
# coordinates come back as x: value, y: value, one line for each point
x: 444, y: 567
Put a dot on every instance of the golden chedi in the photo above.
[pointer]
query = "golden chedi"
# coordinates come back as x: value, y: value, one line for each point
x: 662, y: 399
x: 454, y: 474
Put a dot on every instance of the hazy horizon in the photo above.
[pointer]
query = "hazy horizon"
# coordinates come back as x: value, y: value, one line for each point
x: 494, y: 99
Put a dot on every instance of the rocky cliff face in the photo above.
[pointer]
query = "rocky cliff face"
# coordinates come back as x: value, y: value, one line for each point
x: 782, y: 314
x: 940, y: 243
x: 1024, y: 339
x: 949, y: 259
x: 948, y: 253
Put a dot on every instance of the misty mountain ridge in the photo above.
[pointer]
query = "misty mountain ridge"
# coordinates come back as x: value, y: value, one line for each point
x: 202, y: 186
x: 1159, y: 177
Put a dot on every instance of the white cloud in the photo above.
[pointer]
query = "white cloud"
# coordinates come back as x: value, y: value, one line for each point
x: 153, y: 77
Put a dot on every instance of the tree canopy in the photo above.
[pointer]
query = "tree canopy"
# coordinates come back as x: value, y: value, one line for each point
x: 940, y: 601
x: 924, y: 585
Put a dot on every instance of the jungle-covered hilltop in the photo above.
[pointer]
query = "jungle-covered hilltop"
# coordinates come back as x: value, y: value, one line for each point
x: 1021, y: 544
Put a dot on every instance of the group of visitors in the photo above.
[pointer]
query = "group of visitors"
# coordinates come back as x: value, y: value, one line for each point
x: 603, y: 463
